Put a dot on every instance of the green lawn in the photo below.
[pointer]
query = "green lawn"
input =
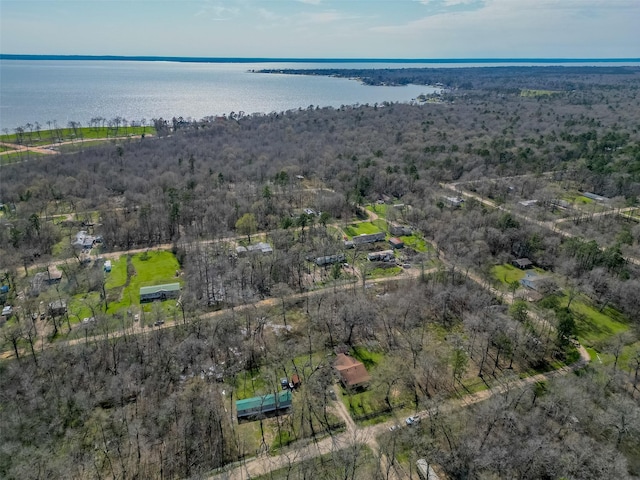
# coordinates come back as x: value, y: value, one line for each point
x: 382, y: 272
x: 594, y: 326
x: 356, y: 229
x: 146, y: 269
x: 507, y: 274
x: 378, y: 209
x: 46, y: 137
x: 370, y: 358
x: 583, y: 200
x: 415, y: 242
x: 249, y: 384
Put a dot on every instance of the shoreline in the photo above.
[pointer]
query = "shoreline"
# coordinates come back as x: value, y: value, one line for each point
x: 181, y: 59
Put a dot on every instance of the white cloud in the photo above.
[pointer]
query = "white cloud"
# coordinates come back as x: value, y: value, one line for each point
x: 528, y: 28
x: 310, y: 2
x: 218, y: 9
x: 321, y: 17
x: 453, y: 3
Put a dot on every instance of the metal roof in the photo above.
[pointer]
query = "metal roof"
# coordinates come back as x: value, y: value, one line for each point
x: 169, y: 287
x: 264, y: 403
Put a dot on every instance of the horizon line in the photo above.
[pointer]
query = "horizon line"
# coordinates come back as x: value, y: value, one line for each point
x: 187, y: 59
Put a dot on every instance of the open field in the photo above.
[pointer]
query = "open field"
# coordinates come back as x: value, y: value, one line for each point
x: 49, y: 137
x: 506, y: 274
x: 360, y: 228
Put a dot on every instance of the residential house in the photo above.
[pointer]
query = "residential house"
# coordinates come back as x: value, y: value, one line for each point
x: 83, y: 241
x: 329, y: 259
x: 159, y: 292
x: 593, y: 196
x: 57, y: 308
x: 532, y: 280
x: 352, y: 372
x: 383, y: 256
x: 396, y: 243
x: 256, y: 406
x: 261, y: 247
x: 522, y: 263
x: 368, y: 238
x: 454, y: 202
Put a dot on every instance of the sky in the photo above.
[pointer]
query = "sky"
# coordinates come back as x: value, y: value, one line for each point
x: 324, y: 28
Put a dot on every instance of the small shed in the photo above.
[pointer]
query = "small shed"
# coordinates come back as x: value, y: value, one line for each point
x: 522, y: 263
x: 271, y: 403
x: 57, y: 308
x: 54, y: 275
x: 395, y: 242
x: 159, y: 292
x: 352, y: 372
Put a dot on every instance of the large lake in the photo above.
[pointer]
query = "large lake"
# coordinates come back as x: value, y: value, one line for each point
x: 77, y: 90
x: 71, y: 90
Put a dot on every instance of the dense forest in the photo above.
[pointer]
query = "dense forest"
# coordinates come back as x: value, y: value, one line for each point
x: 536, y: 163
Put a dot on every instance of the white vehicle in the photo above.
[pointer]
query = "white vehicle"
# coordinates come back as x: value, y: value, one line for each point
x: 412, y: 420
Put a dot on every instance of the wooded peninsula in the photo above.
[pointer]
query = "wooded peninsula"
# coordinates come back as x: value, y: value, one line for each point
x: 446, y: 288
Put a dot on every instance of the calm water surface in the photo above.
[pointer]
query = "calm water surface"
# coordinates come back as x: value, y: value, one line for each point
x: 63, y: 91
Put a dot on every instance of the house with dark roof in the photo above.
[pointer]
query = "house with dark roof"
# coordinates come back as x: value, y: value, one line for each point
x: 352, y: 372
x: 83, y: 241
x: 368, y: 238
x: 57, y: 308
x: 330, y: 259
x: 383, y: 256
x: 261, y: 247
x: 159, y: 292
x: 522, y: 263
x: 399, y: 230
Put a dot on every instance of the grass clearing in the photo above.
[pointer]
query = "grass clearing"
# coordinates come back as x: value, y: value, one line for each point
x: 379, y: 209
x: 595, y: 327
x: 48, y: 137
x: 383, y: 272
x: 580, y: 199
x: 144, y: 269
x: 250, y: 383
x: 507, y: 274
x: 370, y: 358
x: 415, y: 242
x: 355, y: 229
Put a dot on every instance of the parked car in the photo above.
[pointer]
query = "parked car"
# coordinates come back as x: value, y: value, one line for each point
x: 412, y: 420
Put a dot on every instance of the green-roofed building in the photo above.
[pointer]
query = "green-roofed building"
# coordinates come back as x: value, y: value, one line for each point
x: 251, y: 407
x: 159, y: 292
